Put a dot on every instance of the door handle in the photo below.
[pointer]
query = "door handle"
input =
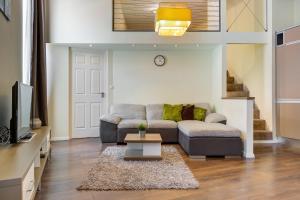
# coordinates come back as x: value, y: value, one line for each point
x: 102, y: 94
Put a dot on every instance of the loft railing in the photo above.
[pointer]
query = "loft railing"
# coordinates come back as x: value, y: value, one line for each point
x: 139, y: 15
x: 247, y: 15
x: 242, y: 15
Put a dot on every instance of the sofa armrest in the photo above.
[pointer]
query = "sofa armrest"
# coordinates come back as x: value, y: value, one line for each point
x: 216, y: 118
x: 111, y: 119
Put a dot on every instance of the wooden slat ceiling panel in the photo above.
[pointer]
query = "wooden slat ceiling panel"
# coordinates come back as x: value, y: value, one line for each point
x: 138, y: 15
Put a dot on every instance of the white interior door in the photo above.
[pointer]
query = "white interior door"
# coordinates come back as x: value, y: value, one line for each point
x: 88, y: 85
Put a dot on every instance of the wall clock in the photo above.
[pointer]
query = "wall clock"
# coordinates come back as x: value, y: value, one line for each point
x: 159, y: 60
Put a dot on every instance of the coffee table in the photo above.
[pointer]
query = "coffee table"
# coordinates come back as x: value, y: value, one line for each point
x: 143, y: 148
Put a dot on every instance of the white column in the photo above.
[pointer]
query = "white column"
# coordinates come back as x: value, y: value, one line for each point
x: 239, y: 113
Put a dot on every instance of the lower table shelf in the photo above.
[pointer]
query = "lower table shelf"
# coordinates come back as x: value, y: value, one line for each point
x: 134, y: 154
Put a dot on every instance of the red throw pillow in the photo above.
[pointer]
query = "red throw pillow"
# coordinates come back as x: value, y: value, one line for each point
x: 187, y: 112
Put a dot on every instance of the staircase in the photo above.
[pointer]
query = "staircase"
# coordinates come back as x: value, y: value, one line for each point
x: 259, y: 125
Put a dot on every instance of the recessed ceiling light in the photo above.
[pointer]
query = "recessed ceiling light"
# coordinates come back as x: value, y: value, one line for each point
x: 198, y: 45
x: 154, y: 45
x: 175, y: 45
x: 91, y: 45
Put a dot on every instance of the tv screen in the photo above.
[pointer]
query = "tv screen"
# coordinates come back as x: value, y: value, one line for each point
x: 21, y: 109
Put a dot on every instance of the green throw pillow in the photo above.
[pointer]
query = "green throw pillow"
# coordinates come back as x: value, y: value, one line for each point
x: 172, y: 112
x: 199, y: 113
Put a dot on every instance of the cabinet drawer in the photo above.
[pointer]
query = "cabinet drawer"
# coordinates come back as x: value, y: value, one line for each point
x: 28, y: 184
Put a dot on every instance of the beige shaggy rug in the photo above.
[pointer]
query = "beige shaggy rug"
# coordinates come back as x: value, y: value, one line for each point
x: 113, y: 173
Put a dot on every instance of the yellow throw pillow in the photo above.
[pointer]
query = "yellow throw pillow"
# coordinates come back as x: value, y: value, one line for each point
x: 172, y: 112
x: 199, y: 114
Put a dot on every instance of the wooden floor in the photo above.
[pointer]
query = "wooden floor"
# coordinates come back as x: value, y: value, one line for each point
x: 274, y: 174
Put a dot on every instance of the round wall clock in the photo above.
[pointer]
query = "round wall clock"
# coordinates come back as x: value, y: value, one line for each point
x: 159, y: 60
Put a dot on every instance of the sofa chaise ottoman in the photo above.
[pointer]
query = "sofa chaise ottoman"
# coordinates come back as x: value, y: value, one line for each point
x: 209, y: 139
x: 195, y: 137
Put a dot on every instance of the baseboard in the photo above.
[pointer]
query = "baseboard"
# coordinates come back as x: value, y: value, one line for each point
x: 292, y: 142
x: 277, y: 140
x: 59, y: 138
x: 84, y: 135
x: 280, y: 139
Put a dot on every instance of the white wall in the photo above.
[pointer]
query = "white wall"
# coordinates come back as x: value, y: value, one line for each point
x: 57, y: 59
x: 247, y: 64
x: 10, y: 58
x: 217, y: 76
x: 77, y: 21
x: 296, y: 12
x: 239, y: 114
x: 286, y: 14
x: 186, y: 77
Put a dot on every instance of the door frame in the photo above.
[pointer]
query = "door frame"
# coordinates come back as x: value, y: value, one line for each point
x: 106, y: 82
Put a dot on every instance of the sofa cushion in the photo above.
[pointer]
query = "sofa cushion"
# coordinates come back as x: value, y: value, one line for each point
x: 215, y: 118
x: 154, y: 111
x: 129, y: 111
x: 131, y: 123
x: 172, y: 112
x: 111, y: 119
x: 161, y: 124
x: 195, y: 128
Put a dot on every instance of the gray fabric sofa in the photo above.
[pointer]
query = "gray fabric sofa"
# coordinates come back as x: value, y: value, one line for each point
x: 209, y: 138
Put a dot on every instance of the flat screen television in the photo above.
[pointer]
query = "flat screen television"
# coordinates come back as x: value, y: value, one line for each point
x: 21, y: 110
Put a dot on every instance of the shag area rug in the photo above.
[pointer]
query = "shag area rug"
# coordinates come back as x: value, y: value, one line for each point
x: 113, y: 173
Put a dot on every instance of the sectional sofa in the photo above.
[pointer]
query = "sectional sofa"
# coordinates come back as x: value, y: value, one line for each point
x: 211, y: 137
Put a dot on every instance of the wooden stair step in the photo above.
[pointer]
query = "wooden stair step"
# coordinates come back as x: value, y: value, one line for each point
x: 262, y: 135
x: 256, y: 113
x: 259, y: 124
x: 237, y: 94
x: 235, y: 87
x: 230, y: 80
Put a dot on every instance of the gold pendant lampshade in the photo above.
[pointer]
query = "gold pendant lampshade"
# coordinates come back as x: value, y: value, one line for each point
x: 172, y: 21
